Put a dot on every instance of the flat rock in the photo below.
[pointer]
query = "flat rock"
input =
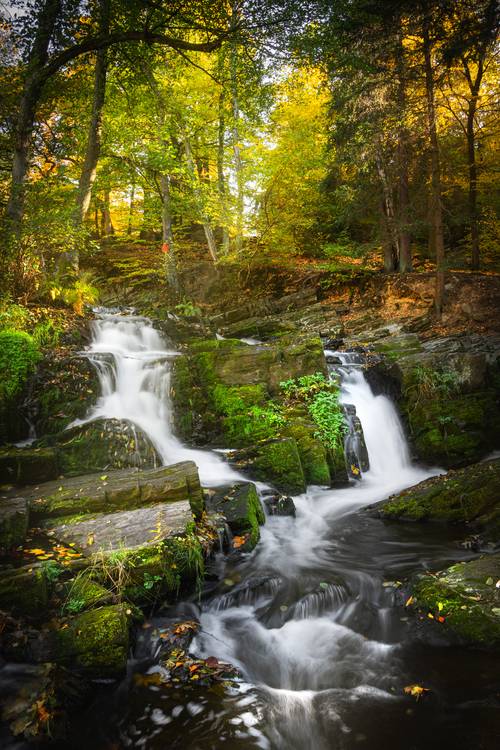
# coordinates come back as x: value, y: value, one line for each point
x: 114, y: 491
x: 130, y: 529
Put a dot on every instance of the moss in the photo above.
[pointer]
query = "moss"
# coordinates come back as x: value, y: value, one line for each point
x: 312, y: 452
x: 465, y: 597
x: 84, y: 593
x: 471, y: 494
x: 242, y: 509
x: 278, y: 462
x: 18, y: 357
x: 28, y: 465
x: 13, y: 523
x: 23, y: 591
x: 96, y: 642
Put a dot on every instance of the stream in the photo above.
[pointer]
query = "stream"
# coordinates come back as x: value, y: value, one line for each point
x: 314, y: 618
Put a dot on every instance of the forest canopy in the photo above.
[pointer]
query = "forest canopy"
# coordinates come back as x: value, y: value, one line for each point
x: 348, y: 132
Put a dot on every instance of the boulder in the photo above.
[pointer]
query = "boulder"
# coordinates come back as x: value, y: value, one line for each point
x: 216, y: 386
x: 83, y: 593
x: 23, y: 591
x: 118, y: 490
x: 274, y: 461
x: 469, y: 495
x: 63, y: 388
x: 128, y: 529
x: 27, y: 465
x: 279, y: 505
x: 95, y: 642
x: 13, y: 522
x: 466, y: 598
x: 241, y: 507
x: 100, y: 445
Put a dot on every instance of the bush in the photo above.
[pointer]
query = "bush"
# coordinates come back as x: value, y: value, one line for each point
x: 18, y: 357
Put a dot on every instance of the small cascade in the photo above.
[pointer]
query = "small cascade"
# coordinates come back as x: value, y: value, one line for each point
x: 133, y: 363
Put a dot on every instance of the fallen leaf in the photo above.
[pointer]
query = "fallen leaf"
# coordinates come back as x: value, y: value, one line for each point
x: 416, y: 691
x: 409, y: 601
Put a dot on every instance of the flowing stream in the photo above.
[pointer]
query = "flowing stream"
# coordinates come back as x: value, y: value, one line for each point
x: 313, y: 618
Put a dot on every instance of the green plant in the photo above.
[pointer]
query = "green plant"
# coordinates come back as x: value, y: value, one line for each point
x: 80, y: 293
x: 51, y: 570
x: 150, y: 580
x: 301, y: 389
x: 14, y: 317
x: 328, y: 415
x: 187, y: 309
x: 18, y: 357
x: 429, y: 383
x: 74, y: 606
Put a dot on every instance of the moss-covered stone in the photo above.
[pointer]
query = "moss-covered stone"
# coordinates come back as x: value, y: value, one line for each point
x: 23, y: 591
x: 313, y: 454
x: 62, y: 389
x: 467, y: 599
x: 96, y: 641
x: 27, y: 465
x: 13, y: 522
x: 274, y: 461
x: 18, y: 357
x: 100, y: 445
x: 83, y: 593
x: 219, y: 387
x: 469, y: 495
x: 125, y: 489
x: 241, y: 507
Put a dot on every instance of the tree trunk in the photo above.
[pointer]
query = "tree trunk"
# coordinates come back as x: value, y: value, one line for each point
x: 107, y: 228
x: 88, y: 175
x: 209, y: 235
x: 33, y: 85
x: 131, y: 207
x: 221, y: 180
x: 390, y: 258
x: 170, y: 265
x: 238, y: 164
x: 405, y: 259
x: 436, y: 204
x: 473, y: 214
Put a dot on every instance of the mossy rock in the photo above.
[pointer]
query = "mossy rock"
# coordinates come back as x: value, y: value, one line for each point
x: 84, y: 593
x: 466, y: 597
x: 18, y: 358
x: 313, y: 454
x: 274, y: 461
x: 100, y: 445
x: 14, y: 519
x: 241, y: 507
x: 63, y: 389
x: 27, y: 465
x: 96, y: 642
x: 23, y: 591
x: 469, y: 495
x: 218, y: 383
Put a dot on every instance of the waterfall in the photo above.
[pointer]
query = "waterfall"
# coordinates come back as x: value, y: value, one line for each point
x: 133, y: 363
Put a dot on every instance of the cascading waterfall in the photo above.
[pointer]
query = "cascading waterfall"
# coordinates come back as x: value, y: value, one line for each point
x: 309, y: 622
x: 133, y: 364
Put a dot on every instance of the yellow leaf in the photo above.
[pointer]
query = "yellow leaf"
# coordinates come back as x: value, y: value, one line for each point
x: 90, y: 540
x: 409, y: 601
x: 416, y: 691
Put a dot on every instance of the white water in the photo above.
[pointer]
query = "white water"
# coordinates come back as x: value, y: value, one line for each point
x: 297, y: 637
x: 133, y: 363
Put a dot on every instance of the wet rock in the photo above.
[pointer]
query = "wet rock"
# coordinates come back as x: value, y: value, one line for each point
x: 266, y: 306
x: 63, y: 389
x: 314, y: 456
x: 280, y: 505
x: 241, y: 507
x: 28, y: 465
x: 96, y: 642
x: 470, y: 495
x: 23, y: 591
x: 465, y: 600
x: 274, y: 461
x: 217, y: 384
x: 128, y: 529
x: 100, y: 445
x: 117, y: 490
x: 13, y: 522
x: 83, y: 593
x: 39, y: 706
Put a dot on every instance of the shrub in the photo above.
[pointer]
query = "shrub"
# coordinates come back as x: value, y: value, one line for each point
x: 18, y: 357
